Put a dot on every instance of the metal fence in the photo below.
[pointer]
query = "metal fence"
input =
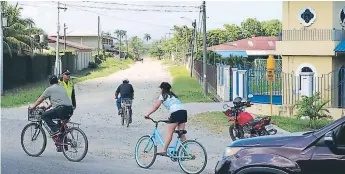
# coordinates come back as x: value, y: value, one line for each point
x: 211, y: 77
x: 331, y: 87
x: 312, y: 35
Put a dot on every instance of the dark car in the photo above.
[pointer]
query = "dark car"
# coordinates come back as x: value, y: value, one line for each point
x: 316, y: 152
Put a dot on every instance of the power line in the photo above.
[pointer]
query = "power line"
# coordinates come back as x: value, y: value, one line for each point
x: 143, y: 5
x: 130, y: 9
x: 127, y: 20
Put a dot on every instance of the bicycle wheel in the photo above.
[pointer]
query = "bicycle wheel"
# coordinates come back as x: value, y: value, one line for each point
x: 148, y: 146
x: 127, y: 117
x: 122, y: 118
x: 71, y: 144
x: 36, y: 134
x: 188, y: 154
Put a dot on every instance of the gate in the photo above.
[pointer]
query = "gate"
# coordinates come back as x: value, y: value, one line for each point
x: 259, y: 87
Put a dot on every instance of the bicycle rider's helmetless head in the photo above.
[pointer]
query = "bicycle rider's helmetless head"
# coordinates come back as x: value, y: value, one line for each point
x: 53, y: 80
x: 165, y: 87
x: 66, y: 75
x: 125, y: 80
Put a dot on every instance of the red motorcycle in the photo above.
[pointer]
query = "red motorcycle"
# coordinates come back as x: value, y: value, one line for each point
x: 244, y: 125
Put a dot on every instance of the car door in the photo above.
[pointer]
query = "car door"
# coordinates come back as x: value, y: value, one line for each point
x: 329, y: 159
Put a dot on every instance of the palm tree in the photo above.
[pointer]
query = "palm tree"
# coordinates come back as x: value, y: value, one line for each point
x: 20, y: 33
x: 147, y: 37
x: 120, y: 34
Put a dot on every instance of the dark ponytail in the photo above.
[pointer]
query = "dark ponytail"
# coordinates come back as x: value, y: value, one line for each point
x: 168, y: 93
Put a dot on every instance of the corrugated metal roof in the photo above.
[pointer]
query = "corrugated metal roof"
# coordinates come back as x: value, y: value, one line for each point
x: 227, y: 53
x: 255, y: 43
x: 340, y: 47
x: 71, y: 44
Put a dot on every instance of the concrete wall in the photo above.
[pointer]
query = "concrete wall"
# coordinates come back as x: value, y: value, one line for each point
x: 337, y: 6
x: 323, y: 10
x: 284, y: 110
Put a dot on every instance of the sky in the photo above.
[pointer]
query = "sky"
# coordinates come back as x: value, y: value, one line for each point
x: 80, y: 18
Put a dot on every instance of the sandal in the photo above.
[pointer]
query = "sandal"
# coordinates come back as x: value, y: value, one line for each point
x: 162, y: 154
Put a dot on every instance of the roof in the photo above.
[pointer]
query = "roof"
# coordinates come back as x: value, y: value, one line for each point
x: 82, y: 34
x: 340, y: 47
x: 70, y: 43
x: 255, y: 43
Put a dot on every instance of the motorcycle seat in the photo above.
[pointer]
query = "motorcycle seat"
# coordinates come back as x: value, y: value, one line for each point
x: 253, y: 123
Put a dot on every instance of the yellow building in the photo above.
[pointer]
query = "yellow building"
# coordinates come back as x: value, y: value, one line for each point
x: 312, y: 46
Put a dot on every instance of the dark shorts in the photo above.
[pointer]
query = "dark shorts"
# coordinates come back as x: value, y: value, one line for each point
x: 178, y: 117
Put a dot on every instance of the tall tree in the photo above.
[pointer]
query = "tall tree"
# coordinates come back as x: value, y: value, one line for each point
x: 233, y: 32
x: 147, y: 36
x: 136, y: 44
x: 271, y: 27
x: 20, y: 33
x: 251, y: 27
x: 216, y: 37
x: 120, y: 34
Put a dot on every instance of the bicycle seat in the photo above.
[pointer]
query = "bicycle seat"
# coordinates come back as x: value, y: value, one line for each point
x: 180, y: 132
x: 63, y: 120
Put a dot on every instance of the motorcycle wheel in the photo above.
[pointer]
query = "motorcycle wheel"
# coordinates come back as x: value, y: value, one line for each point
x: 232, y: 130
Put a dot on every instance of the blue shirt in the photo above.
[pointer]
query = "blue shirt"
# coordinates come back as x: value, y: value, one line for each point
x: 172, y: 104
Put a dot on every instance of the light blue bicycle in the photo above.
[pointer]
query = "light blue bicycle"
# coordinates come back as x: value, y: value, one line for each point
x: 180, y: 152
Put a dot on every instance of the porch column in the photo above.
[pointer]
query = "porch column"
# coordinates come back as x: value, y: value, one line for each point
x: 241, y: 83
x: 226, y: 80
x: 234, y: 82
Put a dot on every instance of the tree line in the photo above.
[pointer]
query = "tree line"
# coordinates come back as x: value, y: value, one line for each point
x: 181, y: 42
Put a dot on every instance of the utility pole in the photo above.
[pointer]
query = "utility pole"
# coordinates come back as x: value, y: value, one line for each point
x: 1, y: 52
x: 126, y: 46
x: 192, y: 49
x: 58, y: 64
x: 64, y: 34
x: 204, y: 46
x: 98, y: 37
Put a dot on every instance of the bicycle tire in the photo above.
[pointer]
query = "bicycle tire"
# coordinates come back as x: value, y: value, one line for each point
x: 127, y: 117
x: 86, y: 144
x: 180, y: 160
x: 136, y: 152
x: 122, y: 119
x: 44, y: 139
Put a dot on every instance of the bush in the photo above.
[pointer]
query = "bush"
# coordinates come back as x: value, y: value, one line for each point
x: 312, y: 107
x: 93, y: 65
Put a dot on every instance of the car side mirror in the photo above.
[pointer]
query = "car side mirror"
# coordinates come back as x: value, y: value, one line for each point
x: 328, y: 138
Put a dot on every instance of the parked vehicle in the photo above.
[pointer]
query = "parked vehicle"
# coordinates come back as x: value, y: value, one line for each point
x: 244, y: 125
x: 315, y: 152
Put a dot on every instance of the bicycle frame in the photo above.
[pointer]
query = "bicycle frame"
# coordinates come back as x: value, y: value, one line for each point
x: 178, y: 142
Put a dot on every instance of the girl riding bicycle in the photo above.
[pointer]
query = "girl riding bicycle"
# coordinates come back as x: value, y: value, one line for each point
x: 178, y: 114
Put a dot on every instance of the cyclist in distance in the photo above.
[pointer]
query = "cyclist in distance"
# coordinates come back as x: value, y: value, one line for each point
x: 61, y: 103
x: 178, y: 114
x: 127, y: 92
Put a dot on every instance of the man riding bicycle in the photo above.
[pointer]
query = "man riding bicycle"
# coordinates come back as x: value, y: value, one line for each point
x: 127, y: 92
x: 61, y: 103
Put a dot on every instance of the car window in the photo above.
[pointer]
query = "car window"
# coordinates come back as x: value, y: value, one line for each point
x: 340, y: 135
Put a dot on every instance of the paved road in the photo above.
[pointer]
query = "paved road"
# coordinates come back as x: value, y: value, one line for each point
x: 111, y: 146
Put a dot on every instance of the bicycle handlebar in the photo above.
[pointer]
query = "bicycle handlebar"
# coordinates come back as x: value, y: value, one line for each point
x: 159, y: 121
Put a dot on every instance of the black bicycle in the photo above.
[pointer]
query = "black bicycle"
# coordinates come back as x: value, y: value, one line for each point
x: 68, y: 141
x: 126, y: 116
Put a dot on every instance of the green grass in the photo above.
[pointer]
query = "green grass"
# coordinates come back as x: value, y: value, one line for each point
x: 218, y: 123
x: 186, y: 88
x: 27, y: 94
